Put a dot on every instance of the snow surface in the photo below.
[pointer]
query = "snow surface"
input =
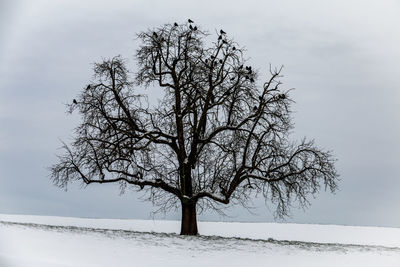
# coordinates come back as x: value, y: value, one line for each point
x: 63, y: 241
x: 359, y: 235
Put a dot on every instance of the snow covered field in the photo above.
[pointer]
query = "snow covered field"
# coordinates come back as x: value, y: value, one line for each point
x: 61, y: 241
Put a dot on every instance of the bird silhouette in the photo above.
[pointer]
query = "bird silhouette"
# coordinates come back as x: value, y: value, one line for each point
x: 222, y: 32
x: 190, y: 27
x: 190, y: 21
x: 176, y: 24
x: 252, y: 80
x: 233, y: 48
x: 195, y: 28
x: 260, y: 97
x: 88, y: 87
x: 240, y: 67
x: 247, y: 77
x: 74, y: 101
x: 155, y: 34
x: 255, y: 108
x: 220, y: 37
x: 220, y: 61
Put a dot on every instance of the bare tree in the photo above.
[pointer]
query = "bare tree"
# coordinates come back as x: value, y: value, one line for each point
x: 217, y: 136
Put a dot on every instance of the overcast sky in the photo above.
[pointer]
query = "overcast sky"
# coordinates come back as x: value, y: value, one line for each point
x: 342, y: 57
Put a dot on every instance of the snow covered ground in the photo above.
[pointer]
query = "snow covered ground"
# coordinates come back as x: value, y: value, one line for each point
x: 47, y: 241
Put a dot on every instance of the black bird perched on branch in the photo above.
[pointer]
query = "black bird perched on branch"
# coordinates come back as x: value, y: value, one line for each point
x: 88, y: 87
x: 176, y: 24
x: 255, y: 108
x: 233, y: 48
x: 190, y: 27
x: 252, y: 80
x: 190, y: 21
x: 220, y: 37
x: 195, y: 28
x: 222, y: 32
x: 155, y: 34
x: 74, y: 101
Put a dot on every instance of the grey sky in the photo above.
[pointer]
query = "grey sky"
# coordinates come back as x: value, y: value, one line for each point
x: 342, y: 57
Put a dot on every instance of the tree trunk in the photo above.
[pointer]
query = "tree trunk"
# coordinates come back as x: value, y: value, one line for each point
x: 189, y: 220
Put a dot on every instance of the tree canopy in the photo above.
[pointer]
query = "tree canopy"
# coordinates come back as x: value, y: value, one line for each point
x: 217, y: 136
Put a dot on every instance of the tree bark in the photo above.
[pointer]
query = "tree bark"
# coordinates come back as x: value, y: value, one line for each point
x: 189, y: 220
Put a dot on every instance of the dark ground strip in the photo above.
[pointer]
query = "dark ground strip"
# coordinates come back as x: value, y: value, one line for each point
x: 217, y: 242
